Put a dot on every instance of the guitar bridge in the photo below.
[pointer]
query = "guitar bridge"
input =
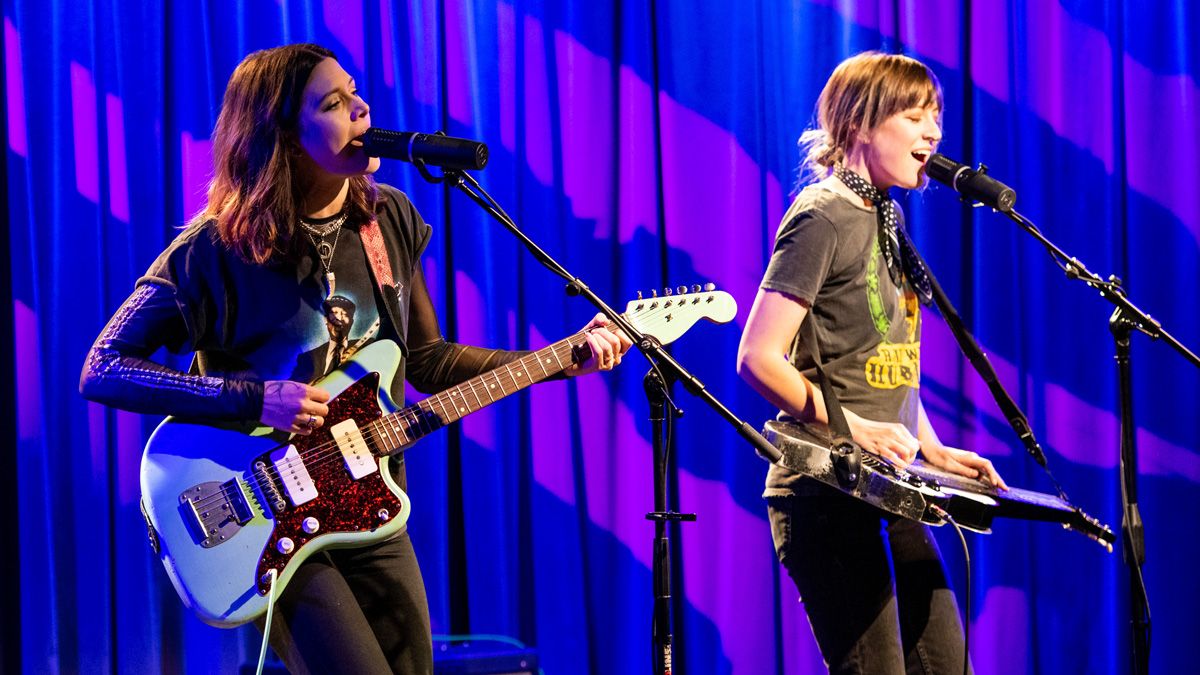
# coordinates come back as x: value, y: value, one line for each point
x: 214, y: 511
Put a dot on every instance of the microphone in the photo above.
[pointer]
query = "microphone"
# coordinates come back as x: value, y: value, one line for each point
x: 971, y: 184
x: 431, y: 149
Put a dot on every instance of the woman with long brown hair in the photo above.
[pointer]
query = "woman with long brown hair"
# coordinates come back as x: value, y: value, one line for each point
x: 873, y: 586
x: 298, y: 260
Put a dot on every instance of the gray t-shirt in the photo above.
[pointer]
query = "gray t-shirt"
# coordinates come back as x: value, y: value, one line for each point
x: 827, y: 257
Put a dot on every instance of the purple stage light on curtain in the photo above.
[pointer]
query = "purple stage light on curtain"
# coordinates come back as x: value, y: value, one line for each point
x: 196, y: 170
x: 1072, y: 86
x: 118, y: 179
x: 423, y: 77
x: 506, y: 67
x: 84, y: 130
x: 1163, y: 140
x: 585, y: 96
x: 387, y: 53
x: 28, y: 361
x: 345, y: 21
x: 989, y: 47
x: 728, y: 542
x: 538, y: 141
x: 1004, y: 611
x: 461, y: 72
x: 933, y: 30
x: 707, y: 216
x: 14, y: 89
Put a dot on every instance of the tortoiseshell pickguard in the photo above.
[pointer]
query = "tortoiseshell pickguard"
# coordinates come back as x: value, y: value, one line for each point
x: 342, y: 504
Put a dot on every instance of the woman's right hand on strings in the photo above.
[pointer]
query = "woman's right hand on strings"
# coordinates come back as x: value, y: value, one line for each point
x: 888, y: 439
x: 294, y: 407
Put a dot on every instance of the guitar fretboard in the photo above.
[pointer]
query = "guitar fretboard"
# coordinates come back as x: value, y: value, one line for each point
x: 406, y: 426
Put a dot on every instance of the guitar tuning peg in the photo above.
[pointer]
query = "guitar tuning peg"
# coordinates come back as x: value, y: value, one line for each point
x: 681, y: 290
x: 696, y: 288
x: 668, y: 291
x: 654, y: 292
x: 710, y: 286
x: 639, y: 295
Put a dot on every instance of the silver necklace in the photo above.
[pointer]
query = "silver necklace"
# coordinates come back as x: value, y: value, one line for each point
x: 325, y: 252
x: 324, y: 229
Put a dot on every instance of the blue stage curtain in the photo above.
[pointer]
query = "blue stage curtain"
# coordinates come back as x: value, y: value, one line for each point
x: 645, y: 144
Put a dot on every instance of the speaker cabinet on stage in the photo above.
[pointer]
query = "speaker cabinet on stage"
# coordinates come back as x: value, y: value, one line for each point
x: 483, y: 657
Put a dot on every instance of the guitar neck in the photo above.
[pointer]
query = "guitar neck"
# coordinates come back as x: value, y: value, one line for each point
x: 423, y: 418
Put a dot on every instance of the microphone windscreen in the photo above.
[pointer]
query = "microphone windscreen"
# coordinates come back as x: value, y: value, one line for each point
x: 942, y: 169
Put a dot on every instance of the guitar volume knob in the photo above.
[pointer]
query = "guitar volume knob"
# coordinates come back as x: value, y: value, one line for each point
x: 311, y: 525
x: 286, y: 546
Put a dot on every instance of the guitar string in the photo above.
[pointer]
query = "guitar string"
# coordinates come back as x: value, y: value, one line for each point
x: 377, y: 432
x: 444, y: 399
x: 425, y: 426
x: 314, y: 458
x: 381, y: 432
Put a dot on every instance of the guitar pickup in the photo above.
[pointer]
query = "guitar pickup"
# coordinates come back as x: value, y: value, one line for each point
x: 357, y: 456
x: 293, y: 474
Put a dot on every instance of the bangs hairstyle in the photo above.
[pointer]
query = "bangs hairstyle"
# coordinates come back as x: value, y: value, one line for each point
x: 255, y: 192
x: 863, y: 91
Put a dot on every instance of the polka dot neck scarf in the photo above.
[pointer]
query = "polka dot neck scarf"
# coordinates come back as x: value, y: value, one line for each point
x: 898, y: 253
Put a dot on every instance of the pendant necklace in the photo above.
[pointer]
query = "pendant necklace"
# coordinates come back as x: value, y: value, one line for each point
x: 325, y: 250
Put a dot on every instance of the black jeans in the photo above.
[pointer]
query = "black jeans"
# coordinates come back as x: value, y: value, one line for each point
x: 873, y: 586
x: 360, y: 610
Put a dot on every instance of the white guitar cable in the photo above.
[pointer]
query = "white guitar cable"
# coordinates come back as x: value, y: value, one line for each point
x: 262, y: 652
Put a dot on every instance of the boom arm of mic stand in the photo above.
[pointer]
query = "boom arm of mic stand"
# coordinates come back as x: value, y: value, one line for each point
x: 651, y: 349
x: 1110, y: 290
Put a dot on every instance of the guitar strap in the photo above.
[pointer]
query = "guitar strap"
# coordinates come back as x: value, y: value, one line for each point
x: 833, y: 408
x: 381, y: 268
x: 845, y: 454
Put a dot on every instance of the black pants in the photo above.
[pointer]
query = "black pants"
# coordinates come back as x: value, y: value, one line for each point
x: 360, y: 610
x: 873, y: 586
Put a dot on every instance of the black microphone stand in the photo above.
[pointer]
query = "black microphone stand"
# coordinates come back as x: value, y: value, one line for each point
x: 1124, y: 320
x: 658, y: 392
x: 664, y: 368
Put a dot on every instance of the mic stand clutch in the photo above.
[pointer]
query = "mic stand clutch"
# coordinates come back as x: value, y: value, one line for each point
x: 668, y: 370
x: 1124, y: 320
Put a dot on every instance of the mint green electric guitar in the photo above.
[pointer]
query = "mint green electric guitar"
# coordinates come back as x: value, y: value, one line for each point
x: 228, y: 504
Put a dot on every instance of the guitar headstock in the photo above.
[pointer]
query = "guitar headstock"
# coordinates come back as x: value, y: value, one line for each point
x: 1091, y: 528
x: 670, y: 315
